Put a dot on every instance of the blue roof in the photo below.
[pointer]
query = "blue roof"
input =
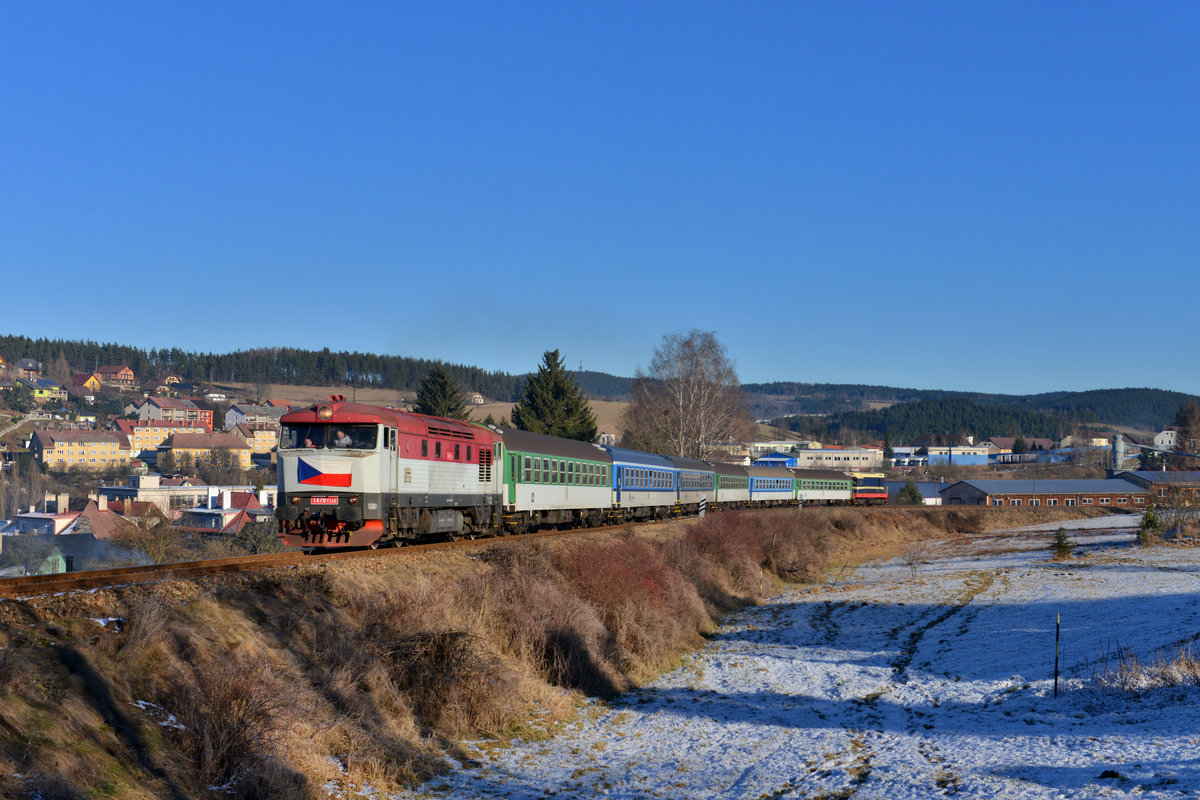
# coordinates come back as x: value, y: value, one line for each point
x: 1172, y: 476
x: 1059, y: 486
x: 624, y: 456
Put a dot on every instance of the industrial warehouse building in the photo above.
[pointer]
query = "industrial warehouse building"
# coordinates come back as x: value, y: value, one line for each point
x: 1115, y: 492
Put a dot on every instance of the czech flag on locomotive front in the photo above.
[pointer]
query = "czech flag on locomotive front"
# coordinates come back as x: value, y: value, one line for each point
x: 308, y: 474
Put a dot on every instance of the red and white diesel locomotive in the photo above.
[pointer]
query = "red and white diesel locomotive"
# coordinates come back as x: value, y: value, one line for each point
x: 354, y: 475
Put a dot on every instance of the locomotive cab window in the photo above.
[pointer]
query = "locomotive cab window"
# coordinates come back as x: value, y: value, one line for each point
x: 330, y: 435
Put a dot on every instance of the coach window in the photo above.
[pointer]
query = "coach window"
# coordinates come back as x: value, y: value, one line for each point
x: 457, y: 452
x: 424, y: 448
x: 468, y: 452
x: 437, y: 449
x: 528, y: 467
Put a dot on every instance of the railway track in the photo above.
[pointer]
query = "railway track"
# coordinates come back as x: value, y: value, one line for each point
x: 120, y: 576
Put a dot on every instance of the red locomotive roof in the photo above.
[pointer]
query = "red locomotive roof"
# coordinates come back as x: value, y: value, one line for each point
x: 407, y: 423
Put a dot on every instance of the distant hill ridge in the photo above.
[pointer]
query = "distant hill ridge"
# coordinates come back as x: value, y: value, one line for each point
x: 839, y: 403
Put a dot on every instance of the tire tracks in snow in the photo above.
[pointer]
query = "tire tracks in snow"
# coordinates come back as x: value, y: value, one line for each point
x: 870, y: 739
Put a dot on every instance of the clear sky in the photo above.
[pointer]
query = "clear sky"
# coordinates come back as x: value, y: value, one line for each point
x: 998, y: 197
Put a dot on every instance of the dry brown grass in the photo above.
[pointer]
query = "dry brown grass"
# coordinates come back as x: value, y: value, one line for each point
x: 1124, y: 671
x: 285, y: 681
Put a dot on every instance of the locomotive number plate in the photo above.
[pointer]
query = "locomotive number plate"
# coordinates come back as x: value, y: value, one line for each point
x: 324, y: 501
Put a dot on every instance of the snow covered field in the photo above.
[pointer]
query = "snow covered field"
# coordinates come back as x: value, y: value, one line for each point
x: 890, y: 685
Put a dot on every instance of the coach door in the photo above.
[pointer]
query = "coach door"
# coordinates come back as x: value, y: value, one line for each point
x: 388, y: 472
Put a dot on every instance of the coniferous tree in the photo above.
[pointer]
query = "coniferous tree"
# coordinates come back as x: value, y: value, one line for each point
x: 910, y: 495
x: 554, y: 404
x: 1187, y: 433
x: 439, y: 395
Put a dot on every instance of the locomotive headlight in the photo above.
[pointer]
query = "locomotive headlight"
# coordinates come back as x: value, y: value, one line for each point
x: 295, y: 500
x: 324, y: 412
x: 353, y: 500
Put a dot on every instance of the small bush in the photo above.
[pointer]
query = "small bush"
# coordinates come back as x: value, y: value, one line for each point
x: 650, y: 609
x: 229, y: 709
x: 1151, y: 526
x: 1062, y: 544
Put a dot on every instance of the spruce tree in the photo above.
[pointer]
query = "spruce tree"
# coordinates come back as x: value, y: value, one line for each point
x: 439, y: 395
x: 554, y: 404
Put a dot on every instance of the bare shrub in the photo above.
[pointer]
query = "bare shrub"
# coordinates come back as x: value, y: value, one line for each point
x: 145, y: 625
x: 12, y: 671
x: 228, y: 707
x: 431, y: 645
x: 650, y: 608
x: 797, y: 549
x: 724, y: 556
x: 917, y: 555
x: 540, y: 621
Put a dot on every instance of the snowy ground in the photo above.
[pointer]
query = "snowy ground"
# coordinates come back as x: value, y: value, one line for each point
x: 892, y: 686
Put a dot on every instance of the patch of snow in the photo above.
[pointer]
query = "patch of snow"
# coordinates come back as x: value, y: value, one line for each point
x: 904, y: 687
x: 164, y: 718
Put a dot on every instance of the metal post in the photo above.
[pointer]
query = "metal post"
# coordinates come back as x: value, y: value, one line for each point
x: 1057, y: 631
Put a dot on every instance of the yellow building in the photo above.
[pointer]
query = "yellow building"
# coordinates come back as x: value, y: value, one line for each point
x: 89, y: 450
x: 148, y: 434
x: 260, y: 438
x: 88, y: 380
x: 195, y: 448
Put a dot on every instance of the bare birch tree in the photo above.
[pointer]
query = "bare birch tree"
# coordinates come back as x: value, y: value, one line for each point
x: 689, y: 403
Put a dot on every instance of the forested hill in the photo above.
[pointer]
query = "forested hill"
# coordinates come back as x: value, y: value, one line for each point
x: 903, y: 422
x: 913, y: 411
x: 280, y: 366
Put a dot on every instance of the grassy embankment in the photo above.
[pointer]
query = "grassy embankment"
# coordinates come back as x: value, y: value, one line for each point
x: 272, y: 685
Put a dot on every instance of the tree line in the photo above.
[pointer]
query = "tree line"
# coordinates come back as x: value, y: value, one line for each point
x: 905, y: 421
x: 1136, y: 408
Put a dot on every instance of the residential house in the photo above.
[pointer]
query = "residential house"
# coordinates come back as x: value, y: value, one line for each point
x: 1165, y: 440
x: 88, y: 380
x: 279, y: 402
x: 199, y: 447
x: 147, y: 435
x: 117, y: 375
x: 44, y: 390
x: 179, y: 409
x: 155, y: 387
x: 88, y: 450
x: 226, y: 512
x: 29, y: 368
x: 248, y: 414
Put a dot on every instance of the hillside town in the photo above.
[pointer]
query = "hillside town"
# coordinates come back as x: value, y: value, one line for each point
x: 106, y: 455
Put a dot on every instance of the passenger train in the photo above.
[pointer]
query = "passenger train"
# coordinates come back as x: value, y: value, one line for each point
x: 356, y: 475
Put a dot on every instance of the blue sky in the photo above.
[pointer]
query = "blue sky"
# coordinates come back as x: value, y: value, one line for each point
x: 997, y: 197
